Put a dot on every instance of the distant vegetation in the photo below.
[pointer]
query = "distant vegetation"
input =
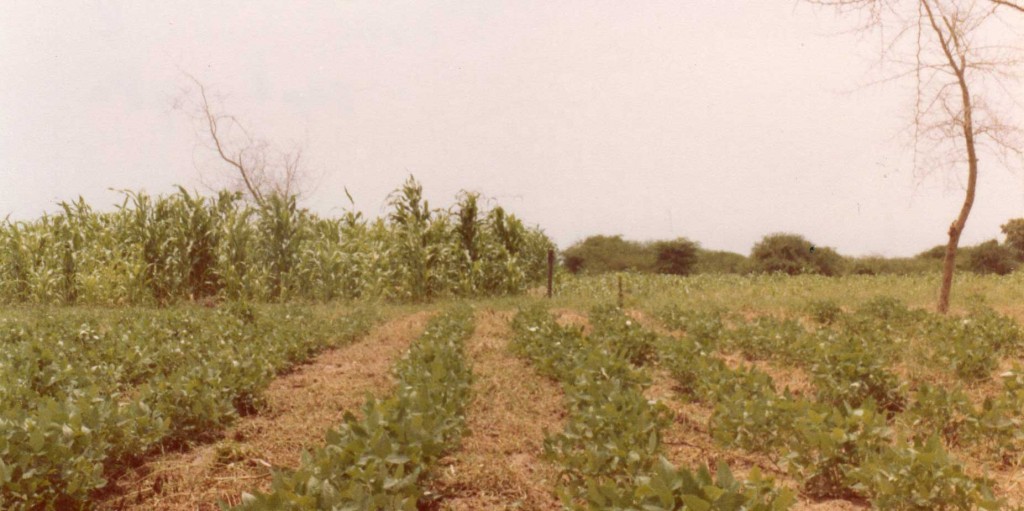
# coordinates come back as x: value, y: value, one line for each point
x: 785, y: 253
x: 159, y: 250
x: 600, y: 254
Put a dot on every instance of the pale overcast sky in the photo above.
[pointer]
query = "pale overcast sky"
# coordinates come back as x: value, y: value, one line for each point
x: 719, y: 121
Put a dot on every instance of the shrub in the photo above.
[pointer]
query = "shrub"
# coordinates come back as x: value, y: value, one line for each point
x: 600, y: 254
x: 1014, y: 231
x: 793, y: 255
x: 991, y: 257
x: 876, y: 265
x: 721, y: 261
x: 676, y: 257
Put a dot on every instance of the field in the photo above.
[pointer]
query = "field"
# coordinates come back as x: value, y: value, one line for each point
x: 704, y: 392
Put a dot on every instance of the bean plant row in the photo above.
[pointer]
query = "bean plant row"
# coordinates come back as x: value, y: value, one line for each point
x: 380, y: 460
x: 85, y: 394
x: 862, y: 431
x: 611, y: 450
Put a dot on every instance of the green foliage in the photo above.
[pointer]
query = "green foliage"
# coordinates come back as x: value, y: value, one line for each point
x: 824, y: 312
x: 831, y: 443
x: 767, y: 337
x: 602, y: 254
x: 751, y: 415
x: 936, y: 410
x: 610, y: 448
x: 991, y: 257
x: 792, y: 254
x: 668, y: 488
x: 720, y: 261
x: 380, y: 461
x: 1014, y: 231
x: 84, y: 394
x: 849, y: 372
x: 703, y: 326
x: 694, y: 370
x: 623, y: 335
x: 921, y: 477
x: 999, y: 425
x: 161, y: 250
x: 877, y: 265
x: 886, y: 309
x: 970, y: 346
x: 938, y: 252
x: 676, y: 257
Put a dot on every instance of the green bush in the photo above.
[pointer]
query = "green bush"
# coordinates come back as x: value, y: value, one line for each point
x: 1014, y: 231
x: 721, y: 261
x: 876, y: 265
x: 602, y: 254
x: 991, y: 257
x: 794, y: 255
x: 676, y: 257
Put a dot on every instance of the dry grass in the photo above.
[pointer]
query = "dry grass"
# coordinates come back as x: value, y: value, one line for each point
x: 302, y: 406
x: 499, y: 464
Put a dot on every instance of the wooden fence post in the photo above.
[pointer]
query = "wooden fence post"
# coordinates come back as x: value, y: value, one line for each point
x: 551, y: 271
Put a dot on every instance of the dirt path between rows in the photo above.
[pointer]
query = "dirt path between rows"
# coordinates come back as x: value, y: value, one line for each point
x: 500, y: 465
x: 302, y: 406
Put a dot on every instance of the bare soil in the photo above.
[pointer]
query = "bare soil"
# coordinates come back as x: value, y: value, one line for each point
x: 302, y: 406
x: 499, y: 464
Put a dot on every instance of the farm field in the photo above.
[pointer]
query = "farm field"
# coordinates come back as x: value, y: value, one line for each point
x: 706, y: 392
x: 673, y: 256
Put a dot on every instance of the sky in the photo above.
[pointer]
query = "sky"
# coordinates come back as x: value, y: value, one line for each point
x: 716, y: 121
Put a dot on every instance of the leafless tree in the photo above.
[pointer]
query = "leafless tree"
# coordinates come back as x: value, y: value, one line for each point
x: 962, y: 57
x: 257, y: 167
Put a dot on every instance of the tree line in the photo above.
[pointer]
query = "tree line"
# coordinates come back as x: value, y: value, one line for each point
x: 786, y: 253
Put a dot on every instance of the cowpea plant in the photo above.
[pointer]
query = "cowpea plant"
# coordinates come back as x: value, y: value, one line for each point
x: 379, y: 461
x: 86, y: 393
x: 610, y: 449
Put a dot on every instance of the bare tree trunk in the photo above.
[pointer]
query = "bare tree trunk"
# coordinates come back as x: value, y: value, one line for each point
x: 952, y: 48
x: 949, y: 263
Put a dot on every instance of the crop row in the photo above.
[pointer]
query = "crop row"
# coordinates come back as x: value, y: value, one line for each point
x: 85, y: 395
x: 863, y: 433
x: 184, y: 246
x: 380, y: 460
x: 610, y: 449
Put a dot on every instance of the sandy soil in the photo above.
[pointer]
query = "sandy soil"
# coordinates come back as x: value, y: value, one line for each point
x: 500, y: 465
